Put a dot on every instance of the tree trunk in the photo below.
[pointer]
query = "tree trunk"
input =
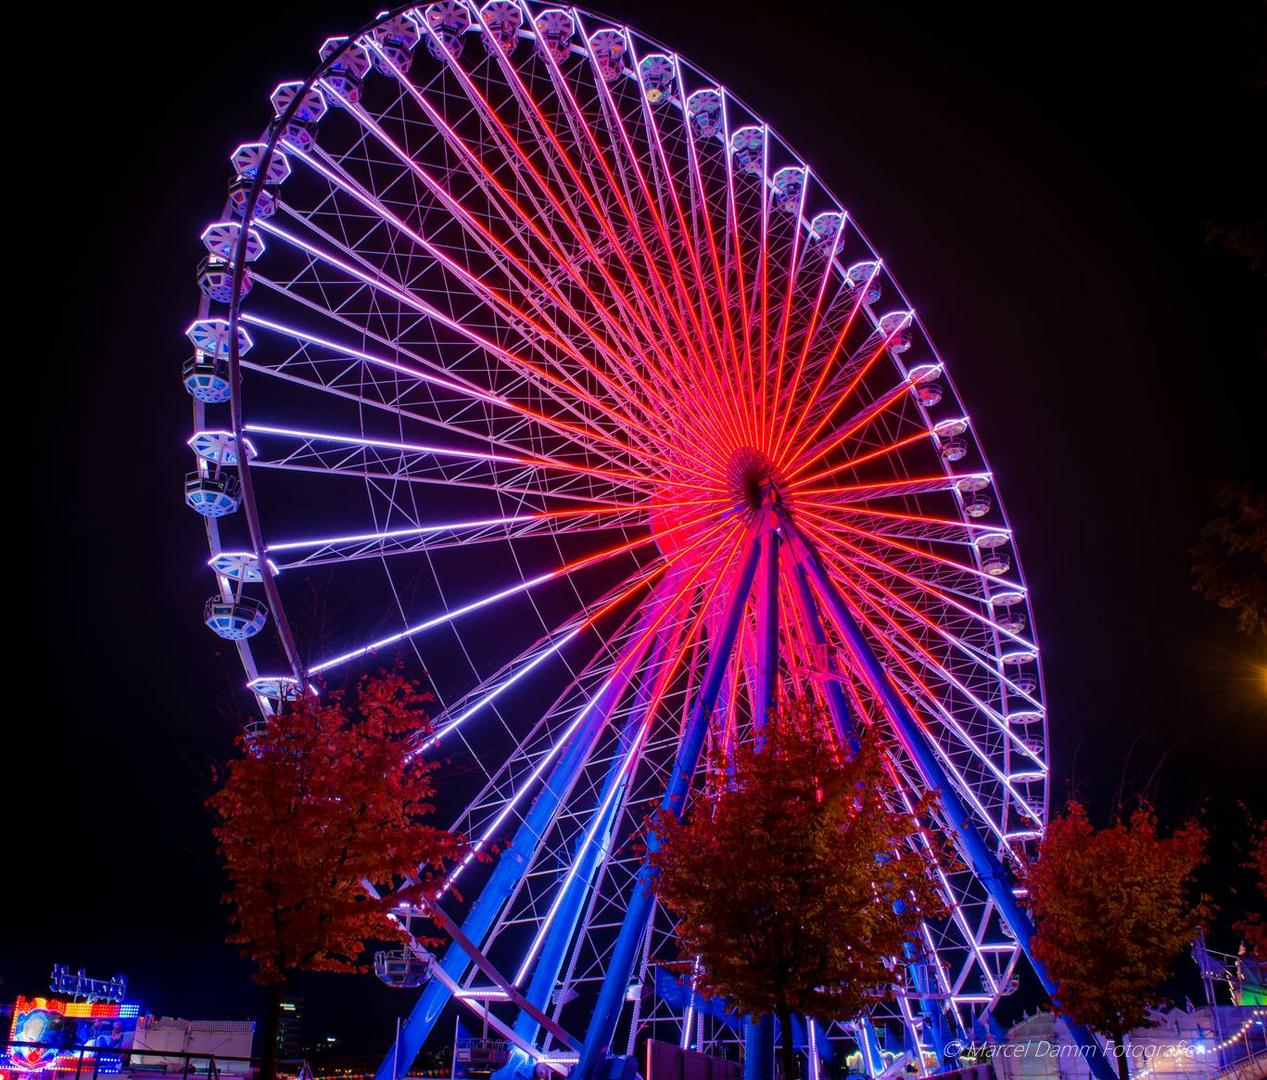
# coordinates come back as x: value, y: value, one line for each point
x: 1123, y: 1063
x: 785, y: 1042
x: 272, y: 1023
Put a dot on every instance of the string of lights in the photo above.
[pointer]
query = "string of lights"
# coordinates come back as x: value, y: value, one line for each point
x: 1255, y: 1017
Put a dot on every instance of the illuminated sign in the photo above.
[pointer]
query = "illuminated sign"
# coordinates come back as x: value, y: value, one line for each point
x: 82, y: 988
x: 63, y: 1028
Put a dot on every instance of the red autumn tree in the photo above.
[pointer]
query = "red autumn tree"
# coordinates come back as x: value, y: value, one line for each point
x: 791, y: 878
x: 1113, y: 908
x: 1253, y: 926
x: 330, y: 796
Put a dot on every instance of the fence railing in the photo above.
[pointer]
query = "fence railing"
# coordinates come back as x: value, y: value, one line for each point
x: 93, y: 1062
x: 1248, y: 1068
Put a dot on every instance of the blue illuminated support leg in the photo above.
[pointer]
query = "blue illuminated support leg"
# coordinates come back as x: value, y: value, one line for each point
x: 724, y: 718
x: 620, y: 965
x: 916, y: 971
x: 758, y: 1060
x: 820, y: 1050
x: 837, y: 706
x: 591, y: 848
x: 767, y: 635
x: 511, y: 866
x: 689, y: 1018
x: 910, y: 1040
x: 846, y: 731
x: 985, y: 863
x: 934, y: 1018
x: 869, y: 1042
x: 758, y: 1048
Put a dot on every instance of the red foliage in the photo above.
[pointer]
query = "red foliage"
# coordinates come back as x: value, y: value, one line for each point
x: 1114, y: 907
x: 328, y: 798
x: 1253, y: 928
x: 793, y: 879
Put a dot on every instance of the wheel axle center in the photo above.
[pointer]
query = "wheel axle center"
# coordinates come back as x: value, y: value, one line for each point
x: 750, y: 474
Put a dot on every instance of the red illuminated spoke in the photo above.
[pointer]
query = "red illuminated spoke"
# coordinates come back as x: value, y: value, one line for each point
x: 930, y: 557
x: 761, y: 304
x: 787, y: 406
x: 639, y: 396
x: 587, y: 188
x: 871, y: 416
x: 905, y: 487
x: 728, y: 360
x: 527, y: 340
x: 953, y: 597
x: 624, y: 160
x: 694, y: 292
x: 913, y: 652
x: 918, y: 527
x: 874, y: 349
x: 827, y: 369
x: 542, y: 324
x: 747, y: 361
x: 781, y: 336
x: 630, y: 324
x: 716, y: 370
x: 715, y: 200
x: 579, y: 181
x: 989, y: 664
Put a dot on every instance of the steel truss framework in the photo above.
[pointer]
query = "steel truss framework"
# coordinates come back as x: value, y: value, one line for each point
x: 563, y: 375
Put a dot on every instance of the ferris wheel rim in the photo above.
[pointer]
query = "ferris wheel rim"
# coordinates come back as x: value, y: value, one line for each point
x: 273, y: 135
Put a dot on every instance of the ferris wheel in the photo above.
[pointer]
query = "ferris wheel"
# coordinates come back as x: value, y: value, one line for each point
x: 528, y: 352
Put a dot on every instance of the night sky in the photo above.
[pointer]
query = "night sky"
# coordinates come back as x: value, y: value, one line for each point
x: 1041, y: 182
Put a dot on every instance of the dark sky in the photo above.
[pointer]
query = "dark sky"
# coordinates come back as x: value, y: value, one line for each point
x: 1040, y: 180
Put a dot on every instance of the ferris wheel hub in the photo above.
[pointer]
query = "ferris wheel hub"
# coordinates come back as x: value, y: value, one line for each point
x: 748, y: 481
x: 752, y: 479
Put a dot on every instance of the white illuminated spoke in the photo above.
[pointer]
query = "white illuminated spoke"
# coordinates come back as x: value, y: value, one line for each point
x: 443, y: 617
x: 505, y: 791
x: 342, y: 450
x: 912, y: 652
x: 909, y: 551
x: 333, y: 366
x: 318, y: 551
x: 538, y: 370
x: 974, y: 652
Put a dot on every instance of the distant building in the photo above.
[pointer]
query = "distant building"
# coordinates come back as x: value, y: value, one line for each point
x: 290, y: 1029
x: 170, y: 1036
